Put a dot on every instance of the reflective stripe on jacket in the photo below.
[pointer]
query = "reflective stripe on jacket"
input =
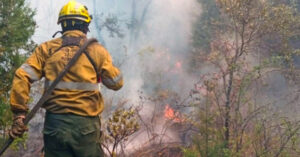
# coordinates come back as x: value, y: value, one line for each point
x: 78, y: 91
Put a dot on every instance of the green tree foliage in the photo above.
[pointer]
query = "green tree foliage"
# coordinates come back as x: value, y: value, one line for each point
x: 203, y: 34
x: 16, y: 28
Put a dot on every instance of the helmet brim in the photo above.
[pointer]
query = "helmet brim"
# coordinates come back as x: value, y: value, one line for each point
x: 74, y: 17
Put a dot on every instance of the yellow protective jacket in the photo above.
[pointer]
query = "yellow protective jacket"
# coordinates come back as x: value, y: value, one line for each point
x: 78, y: 91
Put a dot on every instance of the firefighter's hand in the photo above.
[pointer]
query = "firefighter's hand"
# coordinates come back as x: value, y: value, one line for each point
x: 18, y: 127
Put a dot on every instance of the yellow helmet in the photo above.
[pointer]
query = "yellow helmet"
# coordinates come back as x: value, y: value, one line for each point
x: 74, y: 10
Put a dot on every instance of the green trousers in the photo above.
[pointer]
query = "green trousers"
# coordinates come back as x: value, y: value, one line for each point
x: 69, y: 135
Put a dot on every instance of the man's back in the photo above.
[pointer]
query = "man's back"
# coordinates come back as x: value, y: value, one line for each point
x: 78, y: 91
x: 72, y: 123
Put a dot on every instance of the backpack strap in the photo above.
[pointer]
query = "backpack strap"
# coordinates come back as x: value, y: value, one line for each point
x: 94, y: 65
x: 75, y: 41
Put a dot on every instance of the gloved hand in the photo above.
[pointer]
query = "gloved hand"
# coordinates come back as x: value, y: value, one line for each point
x: 18, y: 127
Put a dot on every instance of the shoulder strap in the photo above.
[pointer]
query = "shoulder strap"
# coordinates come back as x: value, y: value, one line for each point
x: 94, y: 64
x: 75, y: 41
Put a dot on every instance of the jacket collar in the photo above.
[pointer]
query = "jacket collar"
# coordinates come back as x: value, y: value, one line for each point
x: 74, y: 33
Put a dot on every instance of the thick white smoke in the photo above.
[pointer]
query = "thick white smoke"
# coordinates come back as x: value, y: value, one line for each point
x: 153, y: 52
x: 157, y: 41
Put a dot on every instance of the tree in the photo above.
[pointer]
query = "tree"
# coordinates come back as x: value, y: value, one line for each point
x: 251, y: 38
x: 16, y: 28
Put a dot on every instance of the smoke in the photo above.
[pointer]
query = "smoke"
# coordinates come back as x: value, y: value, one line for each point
x: 152, y: 51
x: 159, y: 46
x: 158, y: 38
x: 155, y: 57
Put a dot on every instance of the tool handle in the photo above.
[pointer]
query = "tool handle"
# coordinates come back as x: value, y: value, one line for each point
x: 6, y: 145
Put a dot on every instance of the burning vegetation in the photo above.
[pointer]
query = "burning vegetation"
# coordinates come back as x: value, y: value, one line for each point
x: 172, y: 115
x: 220, y: 82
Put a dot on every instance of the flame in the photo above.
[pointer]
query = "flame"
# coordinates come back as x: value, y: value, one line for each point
x: 177, y: 67
x: 172, y: 115
x: 178, y: 64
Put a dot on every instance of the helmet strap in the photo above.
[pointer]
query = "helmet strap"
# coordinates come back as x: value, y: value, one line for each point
x: 53, y: 36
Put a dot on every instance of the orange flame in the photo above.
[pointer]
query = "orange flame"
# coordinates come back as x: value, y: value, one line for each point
x: 172, y: 115
x: 178, y: 65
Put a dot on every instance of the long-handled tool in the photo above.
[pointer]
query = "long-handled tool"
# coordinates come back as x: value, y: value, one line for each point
x: 47, y: 93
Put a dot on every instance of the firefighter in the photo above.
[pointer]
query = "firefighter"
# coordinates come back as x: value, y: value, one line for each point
x: 72, y: 123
